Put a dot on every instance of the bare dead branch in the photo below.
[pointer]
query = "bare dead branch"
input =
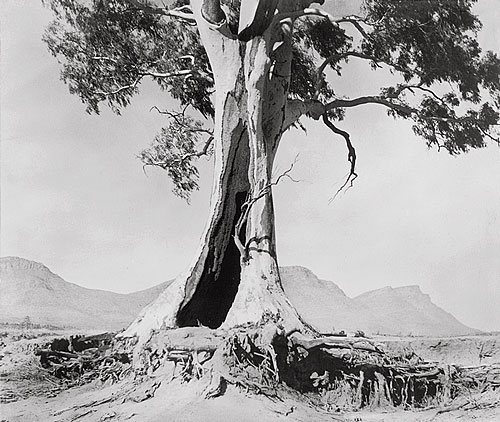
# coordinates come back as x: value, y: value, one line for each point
x: 247, y: 205
x: 351, y: 155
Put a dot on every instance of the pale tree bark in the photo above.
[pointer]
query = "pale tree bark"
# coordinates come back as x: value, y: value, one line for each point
x: 267, y: 66
x: 229, y: 285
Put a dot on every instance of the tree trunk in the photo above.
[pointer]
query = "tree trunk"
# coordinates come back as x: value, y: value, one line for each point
x: 234, y: 278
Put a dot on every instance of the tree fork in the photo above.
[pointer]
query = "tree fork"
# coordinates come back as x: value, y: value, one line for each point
x: 250, y: 106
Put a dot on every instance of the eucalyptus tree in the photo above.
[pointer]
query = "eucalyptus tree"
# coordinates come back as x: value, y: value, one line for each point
x: 244, y: 72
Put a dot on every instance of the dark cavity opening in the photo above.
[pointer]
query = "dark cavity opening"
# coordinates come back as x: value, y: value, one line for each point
x: 214, y: 294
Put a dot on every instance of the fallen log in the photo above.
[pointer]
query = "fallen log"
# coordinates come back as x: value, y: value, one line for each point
x: 334, y: 342
x: 189, y: 339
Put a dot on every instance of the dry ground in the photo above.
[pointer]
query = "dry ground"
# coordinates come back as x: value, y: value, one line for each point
x: 29, y: 394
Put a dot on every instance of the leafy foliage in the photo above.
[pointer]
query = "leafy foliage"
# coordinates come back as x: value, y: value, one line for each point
x: 326, y: 39
x: 175, y: 148
x: 320, y: 35
x: 441, y: 80
x: 434, y: 42
x: 107, y: 47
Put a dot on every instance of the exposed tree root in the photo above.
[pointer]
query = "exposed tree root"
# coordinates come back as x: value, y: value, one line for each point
x: 334, y: 373
x: 78, y: 360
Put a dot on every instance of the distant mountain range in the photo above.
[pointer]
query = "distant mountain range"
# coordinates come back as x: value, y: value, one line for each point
x: 29, y: 288
x: 396, y: 311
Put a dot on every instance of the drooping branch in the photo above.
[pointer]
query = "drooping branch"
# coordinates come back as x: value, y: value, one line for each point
x: 351, y: 155
x: 435, y: 118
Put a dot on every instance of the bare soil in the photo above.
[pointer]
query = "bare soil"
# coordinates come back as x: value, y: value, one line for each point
x: 29, y: 393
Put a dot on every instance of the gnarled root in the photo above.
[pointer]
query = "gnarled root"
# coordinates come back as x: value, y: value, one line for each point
x: 333, y: 372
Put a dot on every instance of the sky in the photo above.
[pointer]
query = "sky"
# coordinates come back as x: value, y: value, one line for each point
x: 74, y: 195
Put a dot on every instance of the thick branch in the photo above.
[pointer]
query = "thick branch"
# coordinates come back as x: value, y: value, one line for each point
x: 403, y: 109
x: 372, y: 99
x: 295, y: 109
x: 315, y: 109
